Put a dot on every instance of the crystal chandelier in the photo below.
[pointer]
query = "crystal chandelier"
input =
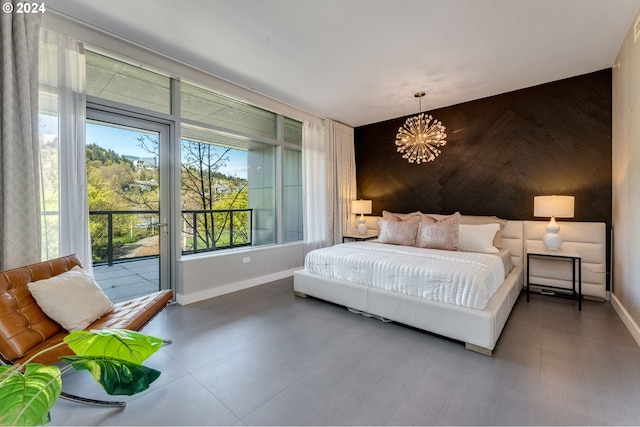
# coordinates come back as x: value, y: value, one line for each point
x: 421, y: 137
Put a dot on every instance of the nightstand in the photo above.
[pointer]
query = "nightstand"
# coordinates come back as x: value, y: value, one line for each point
x: 357, y: 237
x: 576, y: 262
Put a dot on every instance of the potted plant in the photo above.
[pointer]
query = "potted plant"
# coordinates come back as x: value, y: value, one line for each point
x: 112, y: 356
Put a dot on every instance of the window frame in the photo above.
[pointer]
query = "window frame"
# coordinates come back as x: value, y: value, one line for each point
x: 176, y: 136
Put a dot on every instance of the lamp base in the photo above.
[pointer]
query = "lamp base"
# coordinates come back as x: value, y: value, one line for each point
x: 362, y: 226
x: 552, y: 239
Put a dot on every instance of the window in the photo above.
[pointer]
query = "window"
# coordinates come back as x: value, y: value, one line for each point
x: 227, y: 191
x: 292, y: 131
x: 292, y: 195
x: 207, y: 107
x: 108, y: 78
x: 240, y: 165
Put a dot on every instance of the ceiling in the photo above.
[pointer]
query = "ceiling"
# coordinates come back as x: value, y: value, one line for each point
x: 361, y: 61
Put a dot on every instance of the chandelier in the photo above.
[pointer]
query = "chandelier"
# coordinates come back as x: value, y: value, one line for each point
x: 421, y: 137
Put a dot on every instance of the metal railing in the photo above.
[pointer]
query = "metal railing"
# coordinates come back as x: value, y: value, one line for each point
x: 203, y: 230
x: 207, y: 235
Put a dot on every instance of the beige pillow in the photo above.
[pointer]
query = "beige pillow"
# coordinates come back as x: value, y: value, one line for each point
x: 439, y: 234
x: 73, y: 299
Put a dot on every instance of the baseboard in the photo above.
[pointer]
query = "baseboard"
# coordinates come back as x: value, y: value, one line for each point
x: 628, y: 321
x: 233, y: 287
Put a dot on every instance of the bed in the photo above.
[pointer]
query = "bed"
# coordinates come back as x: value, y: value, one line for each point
x: 476, y: 321
x: 479, y: 329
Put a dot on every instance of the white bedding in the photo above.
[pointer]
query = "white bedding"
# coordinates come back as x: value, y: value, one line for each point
x: 467, y: 279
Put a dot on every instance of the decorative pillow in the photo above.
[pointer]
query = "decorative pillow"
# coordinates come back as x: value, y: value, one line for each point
x: 478, y: 238
x: 398, y: 232
x: 439, y: 234
x: 73, y: 299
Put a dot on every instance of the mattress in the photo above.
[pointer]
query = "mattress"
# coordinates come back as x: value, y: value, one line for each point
x: 466, y: 279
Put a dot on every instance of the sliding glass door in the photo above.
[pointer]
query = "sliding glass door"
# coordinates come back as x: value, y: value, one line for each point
x: 128, y: 203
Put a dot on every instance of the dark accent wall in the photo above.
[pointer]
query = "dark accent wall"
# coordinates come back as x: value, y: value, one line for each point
x: 501, y: 152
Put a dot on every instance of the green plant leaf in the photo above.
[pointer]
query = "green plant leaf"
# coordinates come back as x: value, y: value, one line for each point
x: 121, y: 344
x: 26, y: 399
x: 117, y: 377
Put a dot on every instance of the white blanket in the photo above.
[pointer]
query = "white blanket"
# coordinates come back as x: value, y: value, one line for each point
x: 466, y: 279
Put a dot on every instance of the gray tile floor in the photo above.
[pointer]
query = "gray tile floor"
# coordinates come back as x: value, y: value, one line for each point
x: 264, y: 357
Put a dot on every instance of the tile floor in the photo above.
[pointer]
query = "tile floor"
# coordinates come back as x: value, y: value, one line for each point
x: 265, y: 357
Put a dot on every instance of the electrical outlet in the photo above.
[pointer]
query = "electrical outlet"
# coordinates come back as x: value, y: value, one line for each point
x: 246, y: 260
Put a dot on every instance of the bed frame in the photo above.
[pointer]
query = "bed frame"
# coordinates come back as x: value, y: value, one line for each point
x: 478, y: 329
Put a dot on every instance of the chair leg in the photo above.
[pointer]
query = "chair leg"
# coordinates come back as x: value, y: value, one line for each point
x: 73, y: 398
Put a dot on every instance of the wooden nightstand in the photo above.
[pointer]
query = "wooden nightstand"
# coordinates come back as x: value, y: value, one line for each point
x: 576, y: 263
x: 357, y: 237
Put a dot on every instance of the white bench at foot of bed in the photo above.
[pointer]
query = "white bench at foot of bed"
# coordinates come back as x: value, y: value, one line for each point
x: 478, y: 329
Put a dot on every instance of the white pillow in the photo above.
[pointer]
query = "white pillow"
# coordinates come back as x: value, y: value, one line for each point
x: 73, y: 299
x: 477, y: 238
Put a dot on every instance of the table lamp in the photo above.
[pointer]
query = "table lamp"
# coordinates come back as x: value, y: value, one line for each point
x: 361, y: 207
x: 553, y: 206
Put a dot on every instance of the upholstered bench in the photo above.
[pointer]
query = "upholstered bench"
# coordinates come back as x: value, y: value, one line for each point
x: 26, y: 330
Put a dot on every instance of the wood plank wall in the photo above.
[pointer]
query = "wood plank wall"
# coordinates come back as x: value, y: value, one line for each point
x: 501, y: 152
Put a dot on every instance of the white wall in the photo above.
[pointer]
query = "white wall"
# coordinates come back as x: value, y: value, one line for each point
x: 210, y: 275
x: 626, y: 183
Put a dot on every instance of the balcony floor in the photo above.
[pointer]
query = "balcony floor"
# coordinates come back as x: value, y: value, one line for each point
x: 127, y: 280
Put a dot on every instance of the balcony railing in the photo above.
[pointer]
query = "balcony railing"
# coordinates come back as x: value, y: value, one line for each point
x: 133, y: 234
x: 211, y: 229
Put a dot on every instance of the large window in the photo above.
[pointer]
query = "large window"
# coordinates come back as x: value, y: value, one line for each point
x: 240, y: 165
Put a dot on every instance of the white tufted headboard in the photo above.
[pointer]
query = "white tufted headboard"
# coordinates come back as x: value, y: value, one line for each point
x: 589, y: 239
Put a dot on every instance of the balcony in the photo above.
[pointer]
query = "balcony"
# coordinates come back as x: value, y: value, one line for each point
x: 125, y: 244
x: 123, y: 281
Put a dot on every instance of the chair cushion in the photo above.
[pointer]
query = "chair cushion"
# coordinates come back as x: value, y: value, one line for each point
x: 133, y: 315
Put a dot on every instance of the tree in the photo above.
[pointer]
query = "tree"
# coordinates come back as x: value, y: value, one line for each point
x: 205, y: 189
x: 111, y: 186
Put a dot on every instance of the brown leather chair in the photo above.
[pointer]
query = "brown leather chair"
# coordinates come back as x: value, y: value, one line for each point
x: 26, y: 330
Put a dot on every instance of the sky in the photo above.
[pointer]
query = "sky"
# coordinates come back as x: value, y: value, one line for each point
x: 125, y: 142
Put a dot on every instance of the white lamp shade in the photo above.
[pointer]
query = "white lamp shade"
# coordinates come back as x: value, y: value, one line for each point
x: 361, y: 206
x: 553, y: 206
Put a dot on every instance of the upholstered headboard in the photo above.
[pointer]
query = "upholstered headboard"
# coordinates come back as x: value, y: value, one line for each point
x: 586, y: 238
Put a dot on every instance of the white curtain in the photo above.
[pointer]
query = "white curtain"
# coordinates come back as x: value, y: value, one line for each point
x: 341, y: 180
x: 329, y: 182
x: 314, y: 186
x: 19, y: 161
x: 62, y: 125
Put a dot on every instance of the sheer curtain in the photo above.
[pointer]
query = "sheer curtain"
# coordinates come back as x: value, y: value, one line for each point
x: 314, y: 186
x: 62, y: 127
x: 329, y: 182
x: 19, y: 161
x: 341, y: 180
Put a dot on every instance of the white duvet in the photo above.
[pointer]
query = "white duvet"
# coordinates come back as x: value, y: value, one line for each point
x: 467, y: 279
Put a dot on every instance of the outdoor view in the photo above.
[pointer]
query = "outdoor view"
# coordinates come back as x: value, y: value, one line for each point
x: 123, y: 190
